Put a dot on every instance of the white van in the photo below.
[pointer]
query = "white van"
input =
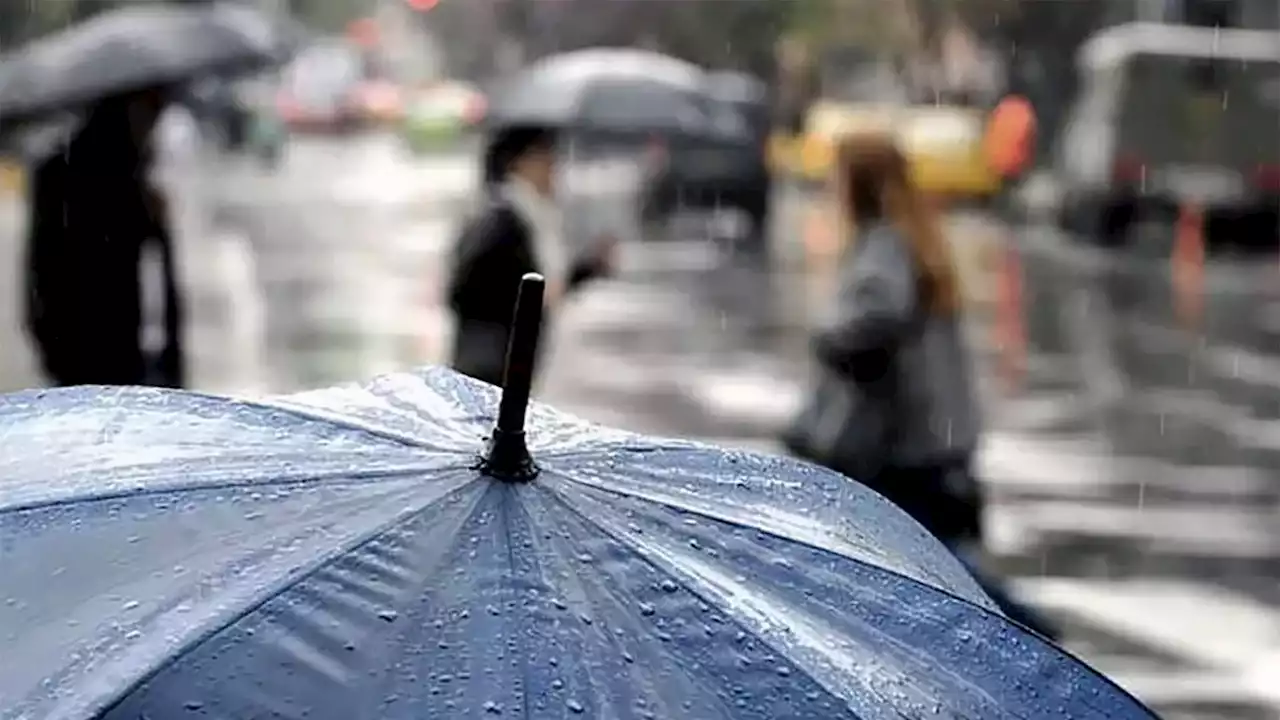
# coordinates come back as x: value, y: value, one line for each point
x: 1168, y: 116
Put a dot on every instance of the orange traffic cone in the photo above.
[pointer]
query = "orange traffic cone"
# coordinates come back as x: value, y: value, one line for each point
x: 1187, y: 267
x: 1010, y: 322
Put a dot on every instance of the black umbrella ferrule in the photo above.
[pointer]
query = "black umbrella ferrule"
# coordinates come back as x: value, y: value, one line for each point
x: 508, y: 456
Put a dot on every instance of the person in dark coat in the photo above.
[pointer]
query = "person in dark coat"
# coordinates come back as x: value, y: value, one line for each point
x: 517, y: 231
x: 92, y: 213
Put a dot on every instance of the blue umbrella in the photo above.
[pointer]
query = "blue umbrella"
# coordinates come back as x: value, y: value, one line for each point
x: 360, y: 552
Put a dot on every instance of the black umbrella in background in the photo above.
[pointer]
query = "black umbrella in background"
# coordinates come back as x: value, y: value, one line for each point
x: 134, y: 48
x: 746, y: 94
x: 613, y: 90
x: 736, y: 87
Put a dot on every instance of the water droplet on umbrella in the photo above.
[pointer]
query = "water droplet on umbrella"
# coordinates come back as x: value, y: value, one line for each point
x: 493, y: 708
x: 133, y: 635
x: 669, y: 586
x: 574, y: 706
x: 388, y: 615
x: 557, y: 684
x: 193, y: 705
x: 646, y: 609
x: 132, y: 604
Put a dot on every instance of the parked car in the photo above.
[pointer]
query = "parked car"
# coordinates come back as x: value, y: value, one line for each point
x: 320, y: 89
x: 1171, y: 117
x: 707, y: 175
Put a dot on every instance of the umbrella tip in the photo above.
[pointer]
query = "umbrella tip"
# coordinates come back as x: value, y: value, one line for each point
x: 508, y: 456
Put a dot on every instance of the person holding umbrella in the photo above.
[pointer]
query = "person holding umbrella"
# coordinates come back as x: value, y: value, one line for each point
x: 93, y: 213
x: 516, y: 232
x: 92, y: 209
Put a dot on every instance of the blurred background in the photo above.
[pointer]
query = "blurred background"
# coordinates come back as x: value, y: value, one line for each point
x: 1132, y: 455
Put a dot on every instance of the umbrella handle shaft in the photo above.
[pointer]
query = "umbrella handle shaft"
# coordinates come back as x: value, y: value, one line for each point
x: 522, y: 351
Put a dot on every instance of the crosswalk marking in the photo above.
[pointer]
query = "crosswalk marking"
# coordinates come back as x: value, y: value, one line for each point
x: 1197, y: 531
x: 1165, y: 688
x: 1209, y: 626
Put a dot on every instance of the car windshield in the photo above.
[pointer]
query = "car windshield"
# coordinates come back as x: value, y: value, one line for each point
x: 1217, y: 110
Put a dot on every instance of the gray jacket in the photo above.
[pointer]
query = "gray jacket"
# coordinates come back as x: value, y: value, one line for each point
x: 931, y: 414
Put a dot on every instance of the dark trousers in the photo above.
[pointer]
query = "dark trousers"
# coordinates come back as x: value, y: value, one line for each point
x: 944, y: 498
x: 125, y: 368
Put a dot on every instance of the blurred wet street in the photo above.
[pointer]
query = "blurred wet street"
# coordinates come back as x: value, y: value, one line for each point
x: 1145, y: 516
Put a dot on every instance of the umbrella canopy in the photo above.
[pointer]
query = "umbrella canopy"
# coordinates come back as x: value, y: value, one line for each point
x: 136, y: 47
x: 613, y: 90
x: 359, y: 552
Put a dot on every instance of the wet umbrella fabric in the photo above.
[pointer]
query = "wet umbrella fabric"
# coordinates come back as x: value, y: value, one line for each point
x: 136, y: 47
x: 611, y: 90
x: 341, y: 554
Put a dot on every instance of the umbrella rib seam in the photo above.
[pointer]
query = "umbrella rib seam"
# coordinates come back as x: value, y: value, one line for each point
x: 358, y: 478
x: 872, y: 566
x: 316, y: 415
x: 280, y: 589
x: 621, y: 540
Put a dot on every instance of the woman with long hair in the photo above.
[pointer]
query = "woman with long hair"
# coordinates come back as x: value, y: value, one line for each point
x: 896, y: 409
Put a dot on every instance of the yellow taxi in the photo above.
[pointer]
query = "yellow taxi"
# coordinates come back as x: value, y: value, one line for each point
x: 943, y: 143
x: 12, y: 181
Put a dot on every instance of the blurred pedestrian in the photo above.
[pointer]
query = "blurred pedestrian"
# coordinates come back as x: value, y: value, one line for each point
x: 93, y: 212
x: 517, y: 231
x: 905, y: 419
x: 896, y: 408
